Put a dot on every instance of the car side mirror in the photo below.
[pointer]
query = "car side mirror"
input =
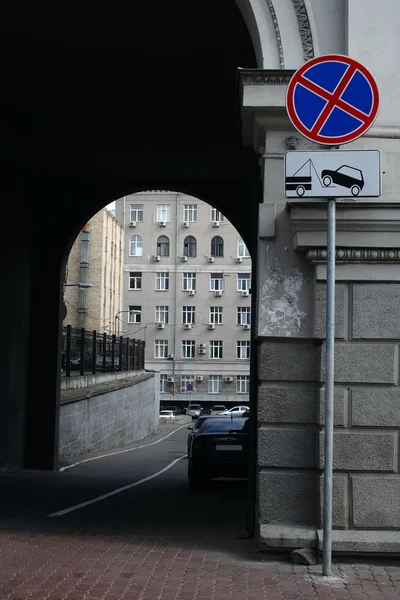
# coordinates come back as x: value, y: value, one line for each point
x: 190, y: 426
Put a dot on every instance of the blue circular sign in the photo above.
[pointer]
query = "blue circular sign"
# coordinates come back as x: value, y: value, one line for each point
x: 189, y: 387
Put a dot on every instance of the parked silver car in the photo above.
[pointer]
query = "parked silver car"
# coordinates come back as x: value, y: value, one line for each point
x: 194, y: 410
x: 217, y: 409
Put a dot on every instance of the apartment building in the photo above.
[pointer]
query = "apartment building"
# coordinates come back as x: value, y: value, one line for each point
x: 186, y: 293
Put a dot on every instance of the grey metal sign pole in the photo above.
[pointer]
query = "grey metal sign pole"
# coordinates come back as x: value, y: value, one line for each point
x: 329, y: 387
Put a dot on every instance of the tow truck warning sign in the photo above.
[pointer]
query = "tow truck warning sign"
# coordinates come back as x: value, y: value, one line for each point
x: 331, y: 174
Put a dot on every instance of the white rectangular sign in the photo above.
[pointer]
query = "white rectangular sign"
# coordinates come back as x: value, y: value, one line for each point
x: 333, y: 174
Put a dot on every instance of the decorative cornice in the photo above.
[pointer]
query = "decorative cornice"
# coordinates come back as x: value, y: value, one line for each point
x: 266, y: 78
x: 356, y: 255
x: 277, y: 33
x: 304, y: 29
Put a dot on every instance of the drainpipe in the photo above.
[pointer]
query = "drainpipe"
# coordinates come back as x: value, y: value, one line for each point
x: 176, y: 285
x: 84, y: 275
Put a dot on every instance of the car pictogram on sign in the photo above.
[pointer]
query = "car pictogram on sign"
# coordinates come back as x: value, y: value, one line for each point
x: 346, y: 176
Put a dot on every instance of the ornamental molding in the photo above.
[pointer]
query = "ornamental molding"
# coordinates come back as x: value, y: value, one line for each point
x: 355, y: 255
x: 277, y: 33
x: 304, y: 29
x: 266, y: 78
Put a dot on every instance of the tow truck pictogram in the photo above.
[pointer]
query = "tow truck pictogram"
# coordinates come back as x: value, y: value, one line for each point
x: 345, y: 176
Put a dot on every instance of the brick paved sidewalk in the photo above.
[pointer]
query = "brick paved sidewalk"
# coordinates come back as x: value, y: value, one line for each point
x: 93, y: 566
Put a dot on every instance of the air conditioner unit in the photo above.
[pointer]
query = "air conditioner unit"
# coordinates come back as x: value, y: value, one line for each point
x: 199, y: 378
x: 156, y: 258
x: 162, y: 223
x: 228, y: 379
x: 215, y: 224
x: 218, y: 293
x: 170, y: 379
x: 202, y: 351
x: 239, y: 259
x: 170, y: 356
x: 184, y: 258
x: 132, y: 223
x: 245, y: 293
x: 203, y: 346
x: 246, y: 326
x: 211, y: 326
x: 192, y: 292
x: 160, y: 325
x: 211, y: 259
x: 187, y: 326
x: 185, y: 224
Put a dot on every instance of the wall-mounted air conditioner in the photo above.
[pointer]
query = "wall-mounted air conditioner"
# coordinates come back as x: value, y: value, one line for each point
x: 218, y: 293
x: 211, y: 259
x: 132, y: 223
x: 160, y: 325
x: 187, y: 326
x: 239, y: 259
x: 211, y: 326
x: 162, y: 223
x: 199, y: 378
x: 228, y: 379
x: 202, y: 350
x: 156, y: 258
x: 170, y: 356
x: 170, y: 379
x: 245, y: 293
x: 184, y: 258
x: 185, y: 224
x: 192, y: 292
x: 215, y: 224
x: 202, y: 346
x: 246, y: 326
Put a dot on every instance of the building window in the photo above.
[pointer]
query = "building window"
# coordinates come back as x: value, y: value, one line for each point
x: 243, y: 315
x: 216, y: 315
x: 163, y: 213
x: 216, y: 215
x: 190, y: 213
x: 215, y: 349
x: 163, y: 383
x: 136, y: 246
x: 135, y: 280
x: 188, y: 314
x: 162, y: 281
x: 163, y: 246
x: 187, y: 380
x: 217, y: 246
x: 190, y: 246
x: 242, y: 251
x: 160, y: 348
x: 162, y: 314
x: 215, y: 384
x: 243, y: 350
x: 242, y: 384
x: 188, y: 349
x: 243, y: 282
x: 135, y: 314
x: 216, y: 282
x: 137, y: 212
x: 188, y: 281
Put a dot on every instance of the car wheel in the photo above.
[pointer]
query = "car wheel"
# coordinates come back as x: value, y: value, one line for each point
x: 300, y: 190
x: 355, y: 190
x: 327, y: 181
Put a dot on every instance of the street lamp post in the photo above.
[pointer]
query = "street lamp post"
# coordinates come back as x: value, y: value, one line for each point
x: 131, y: 312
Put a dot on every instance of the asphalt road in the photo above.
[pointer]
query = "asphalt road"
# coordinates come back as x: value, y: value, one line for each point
x: 142, y: 488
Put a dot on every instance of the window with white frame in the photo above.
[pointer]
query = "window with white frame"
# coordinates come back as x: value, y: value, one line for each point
x: 243, y: 315
x: 135, y: 314
x: 190, y: 246
x: 242, y: 350
x: 135, y: 280
x: 188, y: 349
x: 160, y: 348
x: 162, y: 314
x: 188, y: 281
x: 216, y: 282
x: 162, y: 246
x: 190, y: 213
x: 217, y: 246
x: 188, y: 315
x: 242, y: 250
x: 216, y: 315
x: 137, y: 212
x: 215, y: 349
x: 163, y: 383
x: 216, y: 215
x: 163, y: 213
x: 243, y: 282
x: 243, y: 384
x: 162, y: 281
x: 188, y: 380
x: 215, y: 384
x: 136, y: 246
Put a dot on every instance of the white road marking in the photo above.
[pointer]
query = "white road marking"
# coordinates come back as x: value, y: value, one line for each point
x: 120, y: 451
x: 114, y: 492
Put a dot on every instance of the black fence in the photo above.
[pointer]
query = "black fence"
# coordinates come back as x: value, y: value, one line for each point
x: 91, y: 352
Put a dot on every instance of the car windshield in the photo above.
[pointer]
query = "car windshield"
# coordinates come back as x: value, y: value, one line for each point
x: 218, y: 407
x: 194, y: 406
x: 222, y: 425
x: 165, y: 412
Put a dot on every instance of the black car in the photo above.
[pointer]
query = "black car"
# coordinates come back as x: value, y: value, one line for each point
x: 194, y: 429
x: 220, y: 449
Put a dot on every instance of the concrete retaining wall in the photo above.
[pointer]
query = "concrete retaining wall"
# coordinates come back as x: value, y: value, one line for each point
x: 110, y: 415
